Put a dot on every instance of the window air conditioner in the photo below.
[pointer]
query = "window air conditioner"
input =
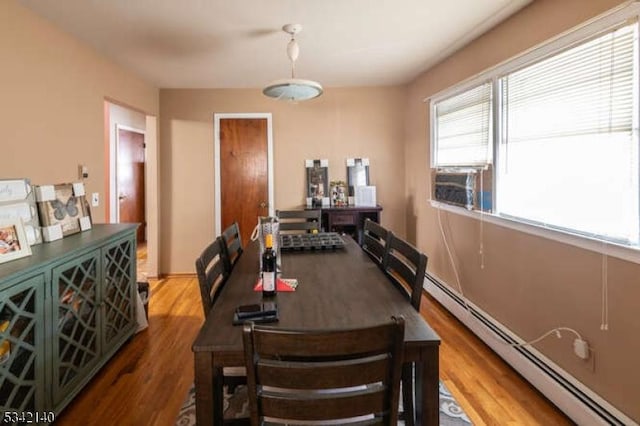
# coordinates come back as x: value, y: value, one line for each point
x: 456, y: 187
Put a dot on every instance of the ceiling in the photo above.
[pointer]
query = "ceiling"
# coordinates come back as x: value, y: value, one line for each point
x: 240, y: 44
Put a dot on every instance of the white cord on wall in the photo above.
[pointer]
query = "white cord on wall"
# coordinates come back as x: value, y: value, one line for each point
x: 481, y: 250
x: 453, y: 263
x: 604, y: 321
x: 555, y: 330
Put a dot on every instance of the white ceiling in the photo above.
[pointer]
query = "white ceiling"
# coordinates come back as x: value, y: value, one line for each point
x: 240, y: 44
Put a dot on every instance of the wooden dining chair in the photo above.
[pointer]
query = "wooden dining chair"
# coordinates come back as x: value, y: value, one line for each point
x: 347, y: 376
x: 405, y: 265
x: 212, y: 271
x: 374, y: 241
x: 299, y: 220
x: 232, y: 243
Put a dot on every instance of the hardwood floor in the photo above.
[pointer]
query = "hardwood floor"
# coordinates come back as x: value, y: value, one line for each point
x: 489, y: 390
x: 141, y: 262
x: 146, y: 382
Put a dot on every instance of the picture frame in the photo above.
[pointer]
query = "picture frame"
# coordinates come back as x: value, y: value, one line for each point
x: 18, y: 201
x: 339, y: 193
x: 13, y: 241
x: 357, y: 173
x: 317, y: 182
x: 63, y: 204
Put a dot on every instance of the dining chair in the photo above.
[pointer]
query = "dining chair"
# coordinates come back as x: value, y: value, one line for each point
x: 405, y: 266
x: 232, y: 243
x: 212, y: 271
x: 299, y: 220
x: 343, y: 376
x: 374, y: 241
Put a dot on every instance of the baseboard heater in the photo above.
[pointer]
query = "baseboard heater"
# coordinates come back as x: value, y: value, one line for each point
x: 577, y: 401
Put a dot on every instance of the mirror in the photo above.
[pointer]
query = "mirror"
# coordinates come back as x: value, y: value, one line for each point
x: 357, y: 173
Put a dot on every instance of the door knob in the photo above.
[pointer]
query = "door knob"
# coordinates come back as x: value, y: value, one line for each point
x: 122, y: 197
x: 263, y: 205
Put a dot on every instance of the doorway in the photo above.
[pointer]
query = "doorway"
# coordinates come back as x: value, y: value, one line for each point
x: 243, y: 156
x: 130, y: 185
x: 122, y: 124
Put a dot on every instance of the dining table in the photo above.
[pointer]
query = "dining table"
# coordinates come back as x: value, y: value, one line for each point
x: 338, y: 288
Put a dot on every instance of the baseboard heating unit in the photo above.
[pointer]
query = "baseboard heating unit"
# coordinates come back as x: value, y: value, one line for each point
x: 576, y: 400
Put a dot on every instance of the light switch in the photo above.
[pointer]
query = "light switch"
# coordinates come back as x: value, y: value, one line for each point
x: 95, y: 199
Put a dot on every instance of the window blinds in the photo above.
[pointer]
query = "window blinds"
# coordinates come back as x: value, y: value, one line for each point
x: 584, y: 90
x: 569, y: 149
x: 463, y: 128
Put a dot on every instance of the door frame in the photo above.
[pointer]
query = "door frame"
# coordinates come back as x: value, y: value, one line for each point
x: 216, y: 160
x: 115, y: 206
x: 152, y: 179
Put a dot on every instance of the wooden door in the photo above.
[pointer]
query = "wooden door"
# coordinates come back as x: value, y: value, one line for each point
x: 244, y: 182
x: 131, y: 207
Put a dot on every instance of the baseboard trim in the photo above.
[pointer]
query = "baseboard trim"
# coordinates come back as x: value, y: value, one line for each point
x: 575, y: 399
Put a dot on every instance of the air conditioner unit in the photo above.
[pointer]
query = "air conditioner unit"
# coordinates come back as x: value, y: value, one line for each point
x: 456, y: 187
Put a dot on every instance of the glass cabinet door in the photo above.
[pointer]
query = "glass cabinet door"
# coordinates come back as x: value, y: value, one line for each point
x: 118, y: 291
x: 76, y: 346
x: 21, y: 346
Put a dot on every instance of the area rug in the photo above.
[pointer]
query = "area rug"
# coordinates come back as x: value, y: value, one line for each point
x: 236, y: 405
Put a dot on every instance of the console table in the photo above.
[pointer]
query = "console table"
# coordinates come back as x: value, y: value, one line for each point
x: 65, y: 310
x: 349, y: 219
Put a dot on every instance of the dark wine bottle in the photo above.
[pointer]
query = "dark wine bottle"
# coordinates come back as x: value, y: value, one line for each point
x: 268, y: 268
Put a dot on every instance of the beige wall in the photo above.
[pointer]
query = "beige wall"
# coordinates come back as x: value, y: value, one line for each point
x: 360, y: 122
x: 51, y: 104
x: 530, y: 284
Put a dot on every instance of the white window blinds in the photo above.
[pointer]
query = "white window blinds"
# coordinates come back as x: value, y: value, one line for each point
x: 569, y: 147
x: 463, y: 127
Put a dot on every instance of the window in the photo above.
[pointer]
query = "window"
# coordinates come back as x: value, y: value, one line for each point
x: 569, y: 151
x: 566, y: 144
x: 463, y: 126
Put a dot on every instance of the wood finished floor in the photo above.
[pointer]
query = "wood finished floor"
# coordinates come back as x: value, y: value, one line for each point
x: 147, y: 380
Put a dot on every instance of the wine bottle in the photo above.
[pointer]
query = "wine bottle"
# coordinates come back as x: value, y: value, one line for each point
x: 268, y: 268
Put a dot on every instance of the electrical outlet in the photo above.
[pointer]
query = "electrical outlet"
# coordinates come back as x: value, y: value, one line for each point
x: 581, y: 348
x: 95, y: 199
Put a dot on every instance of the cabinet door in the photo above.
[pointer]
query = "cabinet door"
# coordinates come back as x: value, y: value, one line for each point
x: 22, y: 346
x: 76, y: 342
x: 118, y: 292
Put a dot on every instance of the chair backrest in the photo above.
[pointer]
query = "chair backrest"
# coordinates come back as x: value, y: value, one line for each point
x: 232, y: 243
x: 405, y: 266
x: 324, y: 375
x: 374, y: 241
x: 212, y: 273
x: 299, y: 220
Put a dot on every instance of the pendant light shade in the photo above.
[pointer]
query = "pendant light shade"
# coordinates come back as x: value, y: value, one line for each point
x: 293, y: 89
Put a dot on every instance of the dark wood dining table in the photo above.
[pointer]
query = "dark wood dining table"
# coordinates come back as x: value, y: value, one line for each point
x: 337, y: 289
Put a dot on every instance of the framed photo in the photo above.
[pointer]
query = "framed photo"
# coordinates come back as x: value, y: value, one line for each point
x: 317, y: 181
x: 13, y: 241
x: 18, y: 201
x: 338, y: 193
x: 357, y: 173
x: 58, y: 205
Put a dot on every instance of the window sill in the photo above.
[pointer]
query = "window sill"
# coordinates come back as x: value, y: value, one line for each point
x: 631, y: 254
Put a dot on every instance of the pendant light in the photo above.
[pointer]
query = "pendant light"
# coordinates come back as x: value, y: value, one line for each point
x: 293, y: 89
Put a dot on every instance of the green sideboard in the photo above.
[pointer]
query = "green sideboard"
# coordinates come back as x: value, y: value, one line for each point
x: 65, y: 310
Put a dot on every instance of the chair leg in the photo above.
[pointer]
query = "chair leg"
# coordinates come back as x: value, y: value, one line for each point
x: 218, y: 397
x: 408, y: 409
